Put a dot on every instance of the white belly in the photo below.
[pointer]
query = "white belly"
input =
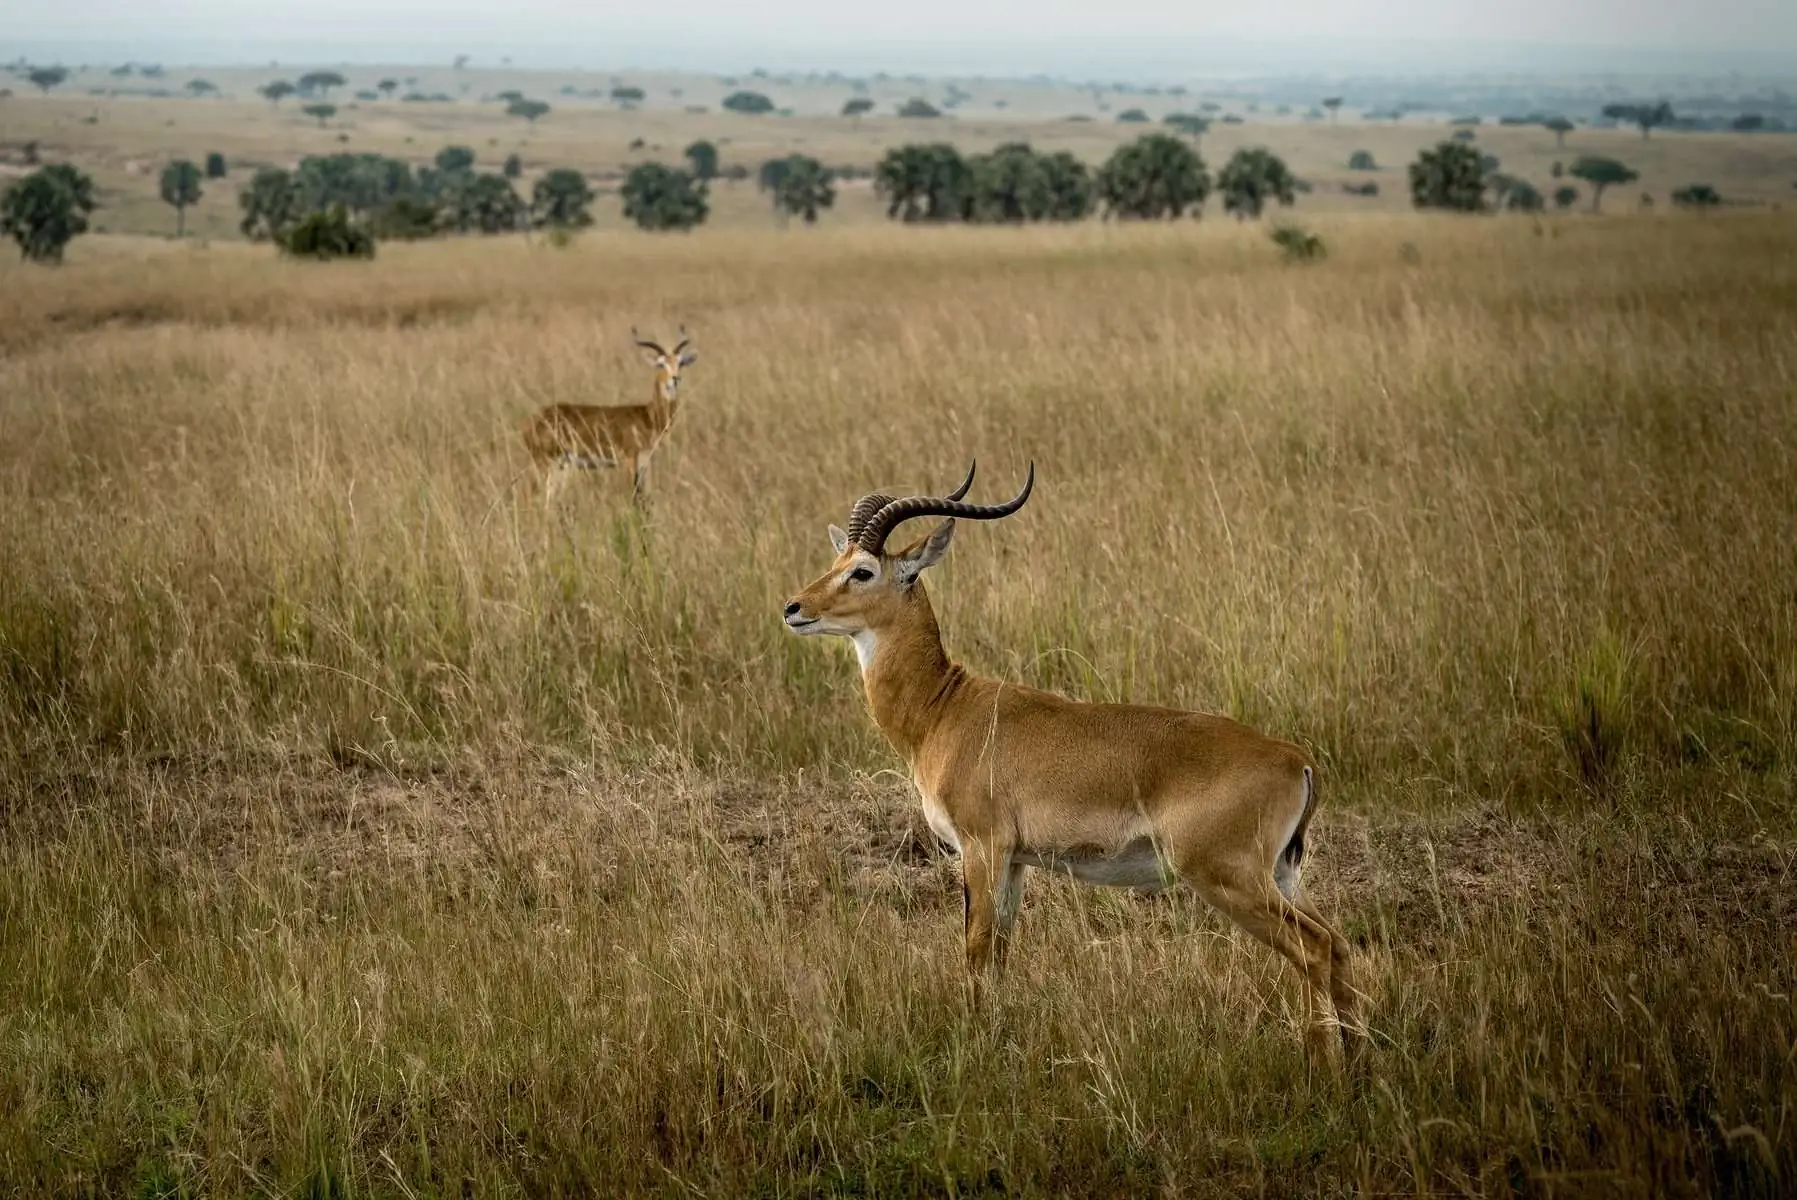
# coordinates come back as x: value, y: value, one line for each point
x: 1138, y: 865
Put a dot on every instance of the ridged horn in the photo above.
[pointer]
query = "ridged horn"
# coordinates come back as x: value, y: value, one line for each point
x: 869, y: 505
x: 890, y: 516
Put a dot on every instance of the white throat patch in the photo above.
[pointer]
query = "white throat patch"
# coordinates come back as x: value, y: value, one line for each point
x: 866, y: 643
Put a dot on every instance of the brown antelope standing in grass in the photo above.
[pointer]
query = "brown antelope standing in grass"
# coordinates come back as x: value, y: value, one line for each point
x: 572, y: 437
x: 1122, y: 795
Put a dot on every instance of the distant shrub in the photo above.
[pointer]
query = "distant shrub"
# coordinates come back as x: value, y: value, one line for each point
x: 1697, y: 195
x: 513, y: 167
x: 46, y: 210
x: 751, y: 103
x: 215, y: 165
x: 1463, y: 135
x: 1362, y: 160
x: 657, y: 197
x: 1448, y: 176
x: 918, y: 108
x: 561, y: 200
x: 406, y: 219
x: 1566, y: 196
x: 1298, y: 244
x: 1369, y: 188
x: 1523, y: 196
x: 1132, y: 116
x: 327, y: 235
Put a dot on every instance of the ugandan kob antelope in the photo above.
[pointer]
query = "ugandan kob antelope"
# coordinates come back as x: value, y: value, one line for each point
x: 571, y: 437
x: 1123, y: 795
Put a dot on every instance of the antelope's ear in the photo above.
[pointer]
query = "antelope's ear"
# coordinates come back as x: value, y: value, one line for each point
x: 839, y: 539
x: 926, y: 551
x: 689, y: 358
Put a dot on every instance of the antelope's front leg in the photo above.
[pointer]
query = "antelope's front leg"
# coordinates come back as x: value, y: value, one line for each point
x: 639, y: 470
x: 984, y: 870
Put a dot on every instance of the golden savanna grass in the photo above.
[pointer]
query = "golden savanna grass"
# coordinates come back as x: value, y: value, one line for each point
x: 368, y: 831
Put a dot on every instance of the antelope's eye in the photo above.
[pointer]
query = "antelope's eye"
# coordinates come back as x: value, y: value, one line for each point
x: 860, y: 575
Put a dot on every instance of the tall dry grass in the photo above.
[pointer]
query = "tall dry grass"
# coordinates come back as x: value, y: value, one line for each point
x: 370, y: 831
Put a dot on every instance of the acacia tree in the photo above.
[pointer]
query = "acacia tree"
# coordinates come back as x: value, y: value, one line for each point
x: 1014, y: 184
x: 388, y: 87
x: 1647, y: 116
x: 1155, y: 176
x: 752, y: 103
x: 805, y: 187
x: 1601, y: 173
x: 561, y: 200
x: 1333, y: 104
x: 277, y: 90
x: 657, y: 197
x: 703, y: 156
x: 46, y: 210
x: 1251, y: 178
x: 320, y: 112
x: 530, y: 110
x: 923, y: 182
x: 180, y: 188
x: 1450, y: 176
x: 452, y: 160
x: 856, y: 107
x: 320, y: 82
x: 270, y: 204
x: 487, y: 204
x: 46, y: 78
x: 1560, y: 127
x: 1190, y: 124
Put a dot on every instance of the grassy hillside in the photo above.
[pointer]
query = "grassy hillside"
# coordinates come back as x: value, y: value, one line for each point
x: 367, y: 828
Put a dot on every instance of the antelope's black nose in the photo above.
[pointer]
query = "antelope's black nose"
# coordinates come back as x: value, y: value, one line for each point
x: 792, y: 610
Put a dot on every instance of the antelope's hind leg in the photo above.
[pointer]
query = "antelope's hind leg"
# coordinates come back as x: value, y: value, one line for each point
x: 1010, y: 903
x: 1299, y: 936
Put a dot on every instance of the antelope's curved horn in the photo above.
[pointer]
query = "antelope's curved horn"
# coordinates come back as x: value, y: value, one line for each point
x: 882, y: 523
x: 682, y: 343
x: 864, y: 511
x: 644, y: 342
x: 870, y: 504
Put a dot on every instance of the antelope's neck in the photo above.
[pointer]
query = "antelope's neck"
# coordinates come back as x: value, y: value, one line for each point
x: 661, y: 410
x: 909, y: 677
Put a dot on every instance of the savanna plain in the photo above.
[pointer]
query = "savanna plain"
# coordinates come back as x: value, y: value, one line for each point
x: 366, y: 829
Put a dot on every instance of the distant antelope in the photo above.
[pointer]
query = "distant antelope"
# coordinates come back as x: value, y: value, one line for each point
x: 1115, y: 794
x: 570, y: 437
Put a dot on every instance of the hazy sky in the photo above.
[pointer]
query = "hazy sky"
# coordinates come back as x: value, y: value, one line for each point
x: 723, y: 33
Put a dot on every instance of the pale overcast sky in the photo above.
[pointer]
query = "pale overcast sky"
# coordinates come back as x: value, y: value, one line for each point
x: 564, y: 32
